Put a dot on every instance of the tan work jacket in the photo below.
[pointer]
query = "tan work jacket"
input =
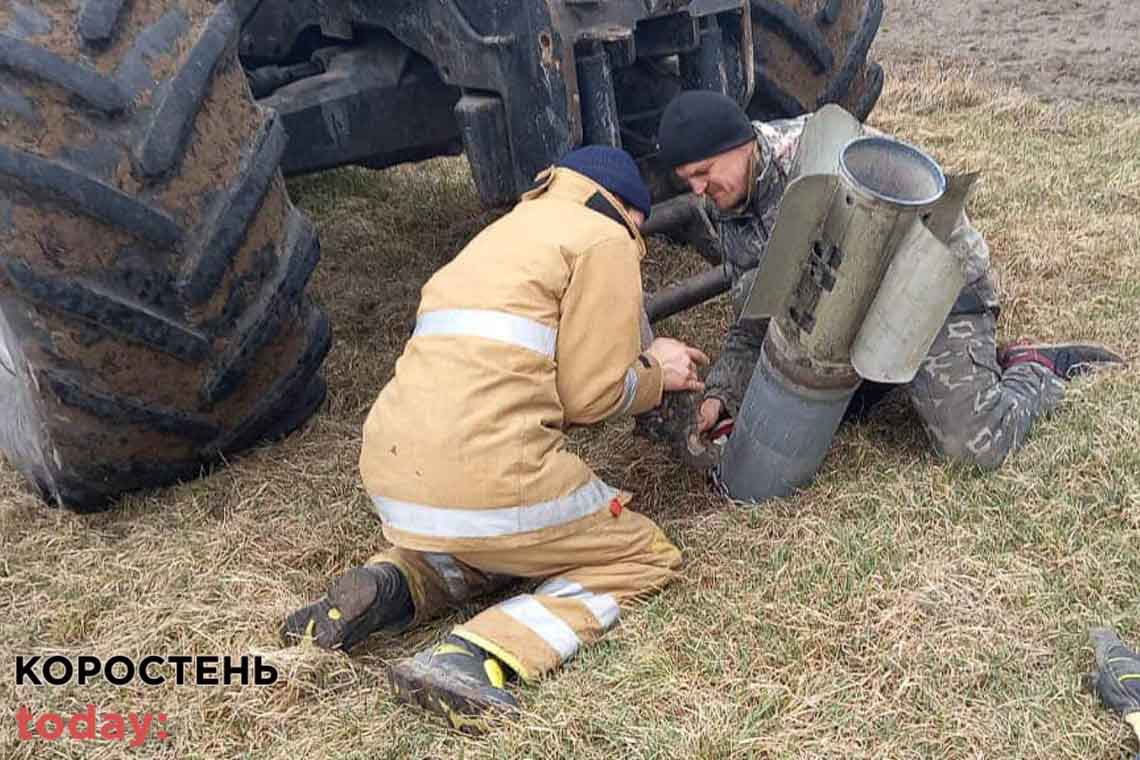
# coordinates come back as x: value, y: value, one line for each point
x: 532, y: 327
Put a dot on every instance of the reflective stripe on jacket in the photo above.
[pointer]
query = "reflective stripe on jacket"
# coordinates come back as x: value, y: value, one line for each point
x: 535, y: 325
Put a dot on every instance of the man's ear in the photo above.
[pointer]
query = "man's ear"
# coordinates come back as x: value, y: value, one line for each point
x: 750, y: 158
x: 745, y: 150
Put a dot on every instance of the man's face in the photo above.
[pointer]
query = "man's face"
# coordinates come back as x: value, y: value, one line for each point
x: 723, y: 177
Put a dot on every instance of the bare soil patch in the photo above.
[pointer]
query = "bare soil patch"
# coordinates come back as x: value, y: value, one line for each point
x: 1068, y: 50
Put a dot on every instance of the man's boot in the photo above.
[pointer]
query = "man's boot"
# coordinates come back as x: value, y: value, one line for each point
x: 455, y: 679
x: 1066, y: 360
x: 358, y: 603
x: 1117, y: 677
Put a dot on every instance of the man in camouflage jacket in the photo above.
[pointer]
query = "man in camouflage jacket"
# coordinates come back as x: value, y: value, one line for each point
x: 976, y: 402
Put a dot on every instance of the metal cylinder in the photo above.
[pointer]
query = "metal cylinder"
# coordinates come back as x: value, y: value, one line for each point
x: 684, y: 220
x: 884, y: 186
x: 781, y: 435
x: 687, y: 294
x: 599, y: 105
x: 922, y: 279
x: 670, y: 214
x: 891, y: 171
x: 703, y: 69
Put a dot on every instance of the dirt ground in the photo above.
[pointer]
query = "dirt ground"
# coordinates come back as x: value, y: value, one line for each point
x: 1076, y: 50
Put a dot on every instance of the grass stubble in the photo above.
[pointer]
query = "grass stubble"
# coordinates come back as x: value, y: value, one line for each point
x: 900, y: 607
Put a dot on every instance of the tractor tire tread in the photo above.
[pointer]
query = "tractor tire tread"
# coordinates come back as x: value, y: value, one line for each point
x: 809, y: 54
x: 153, y: 315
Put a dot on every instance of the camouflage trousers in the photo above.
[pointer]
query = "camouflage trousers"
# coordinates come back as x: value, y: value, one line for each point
x: 974, y: 411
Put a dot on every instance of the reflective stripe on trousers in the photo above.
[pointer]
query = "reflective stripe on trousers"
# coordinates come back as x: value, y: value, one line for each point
x: 603, y: 606
x: 449, y: 522
x: 492, y: 325
x: 528, y: 611
x: 549, y: 627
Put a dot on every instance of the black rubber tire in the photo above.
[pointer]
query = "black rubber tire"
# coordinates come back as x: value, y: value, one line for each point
x: 152, y: 269
x: 813, y: 52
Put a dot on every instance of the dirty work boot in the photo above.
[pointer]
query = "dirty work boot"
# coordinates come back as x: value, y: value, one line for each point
x: 358, y: 603
x: 455, y: 679
x: 1117, y: 677
x: 1066, y: 360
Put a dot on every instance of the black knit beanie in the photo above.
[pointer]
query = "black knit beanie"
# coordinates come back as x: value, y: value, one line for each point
x: 698, y: 124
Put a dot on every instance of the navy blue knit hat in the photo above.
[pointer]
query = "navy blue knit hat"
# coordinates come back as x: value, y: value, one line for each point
x: 613, y: 169
x: 698, y: 124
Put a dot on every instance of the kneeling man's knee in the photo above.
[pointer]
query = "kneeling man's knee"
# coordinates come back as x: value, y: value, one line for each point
x: 982, y: 451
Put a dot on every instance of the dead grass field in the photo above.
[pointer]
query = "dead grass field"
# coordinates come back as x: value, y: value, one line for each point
x: 899, y: 608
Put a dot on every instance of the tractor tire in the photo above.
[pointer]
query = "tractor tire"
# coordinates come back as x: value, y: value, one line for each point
x: 813, y: 52
x: 152, y: 269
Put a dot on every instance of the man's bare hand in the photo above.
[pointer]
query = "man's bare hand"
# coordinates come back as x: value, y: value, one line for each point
x: 708, y: 414
x: 679, y: 364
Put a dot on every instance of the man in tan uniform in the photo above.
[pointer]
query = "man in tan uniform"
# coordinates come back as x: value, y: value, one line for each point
x: 533, y: 327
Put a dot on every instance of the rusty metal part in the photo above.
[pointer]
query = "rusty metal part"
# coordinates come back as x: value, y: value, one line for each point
x: 799, y: 367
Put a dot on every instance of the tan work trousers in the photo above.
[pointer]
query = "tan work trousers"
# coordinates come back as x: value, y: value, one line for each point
x: 586, y: 577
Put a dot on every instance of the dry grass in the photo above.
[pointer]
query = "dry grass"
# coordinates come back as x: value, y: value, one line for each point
x: 898, y: 608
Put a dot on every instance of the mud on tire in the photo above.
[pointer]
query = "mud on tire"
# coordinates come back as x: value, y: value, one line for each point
x: 152, y: 268
x: 813, y: 52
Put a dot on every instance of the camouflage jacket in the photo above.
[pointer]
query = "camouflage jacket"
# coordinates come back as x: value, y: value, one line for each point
x: 744, y: 234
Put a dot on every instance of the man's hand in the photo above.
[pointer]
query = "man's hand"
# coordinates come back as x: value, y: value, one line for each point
x: 708, y: 414
x: 679, y: 364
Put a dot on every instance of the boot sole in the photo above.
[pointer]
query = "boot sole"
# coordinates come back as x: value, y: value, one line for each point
x: 1003, y: 350
x: 352, y: 593
x: 1077, y: 369
x: 463, y: 704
